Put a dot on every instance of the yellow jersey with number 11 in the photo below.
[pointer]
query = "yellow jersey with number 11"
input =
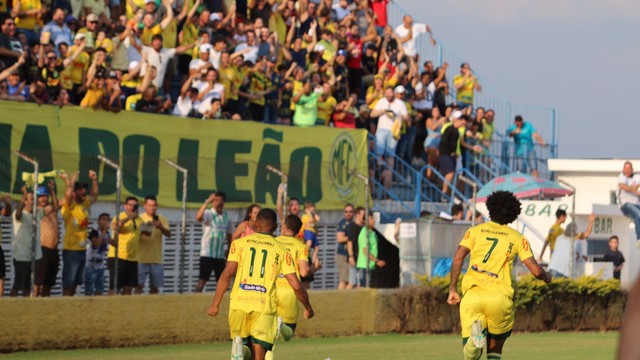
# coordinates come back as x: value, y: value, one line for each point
x: 493, y: 249
x: 261, y: 259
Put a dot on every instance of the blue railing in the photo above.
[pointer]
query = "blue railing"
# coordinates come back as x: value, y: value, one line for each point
x: 544, y: 119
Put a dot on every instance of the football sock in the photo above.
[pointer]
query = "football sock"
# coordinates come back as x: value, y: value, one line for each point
x: 470, y: 351
x: 268, y: 355
x: 286, y: 332
x: 494, y: 356
x: 246, y: 352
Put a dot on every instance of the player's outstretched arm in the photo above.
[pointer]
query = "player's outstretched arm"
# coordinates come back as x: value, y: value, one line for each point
x: 536, y: 270
x: 301, y: 294
x: 222, y: 286
x: 456, y: 268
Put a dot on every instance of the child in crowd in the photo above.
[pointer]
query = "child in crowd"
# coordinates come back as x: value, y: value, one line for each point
x: 96, y: 257
x: 309, y: 225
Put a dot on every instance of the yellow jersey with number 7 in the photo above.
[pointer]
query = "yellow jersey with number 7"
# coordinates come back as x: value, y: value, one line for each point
x: 260, y: 260
x: 493, y: 249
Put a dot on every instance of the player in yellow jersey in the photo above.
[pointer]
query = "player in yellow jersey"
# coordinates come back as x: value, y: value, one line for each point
x: 287, y: 304
x: 487, y: 290
x: 256, y: 261
x: 555, y: 231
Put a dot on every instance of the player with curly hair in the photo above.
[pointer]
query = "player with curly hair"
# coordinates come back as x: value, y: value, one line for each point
x: 486, y: 309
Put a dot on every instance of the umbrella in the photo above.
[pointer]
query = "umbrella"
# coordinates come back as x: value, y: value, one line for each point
x: 523, y: 186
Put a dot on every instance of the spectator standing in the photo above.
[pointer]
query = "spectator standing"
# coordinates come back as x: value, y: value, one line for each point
x: 22, y: 241
x: 629, y: 195
x: 555, y: 231
x: 615, y: 256
x: 129, y: 227
x: 353, y: 232
x: 60, y: 32
x: 247, y: 226
x: 523, y: 134
x: 75, y: 213
x: 389, y: 110
x: 310, y: 220
x: 216, y: 238
x: 580, y: 245
x: 159, y: 57
x: 488, y: 127
x: 29, y: 14
x: 49, y: 237
x: 341, y: 253
x: 448, y: 148
x: 306, y: 111
x: 465, y: 83
x: 10, y: 46
x: 97, y: 249
x: 408, y: 32
x: 150, y: 255
x: 368, y: 252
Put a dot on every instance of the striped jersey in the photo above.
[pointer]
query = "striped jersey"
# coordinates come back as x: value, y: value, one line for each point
x: 215, y: 228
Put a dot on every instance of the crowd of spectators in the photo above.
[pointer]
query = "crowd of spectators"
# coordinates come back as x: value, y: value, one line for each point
x: 304, y: 63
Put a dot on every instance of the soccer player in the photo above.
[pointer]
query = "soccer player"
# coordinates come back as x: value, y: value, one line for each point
x: 258, y: 260
x: 487, y: 290
x: 287, y: 304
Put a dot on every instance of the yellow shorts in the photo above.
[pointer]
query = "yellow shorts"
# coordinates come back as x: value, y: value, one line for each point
x: 288, y: 305
x: 259, y: 328
x: 494, y: 309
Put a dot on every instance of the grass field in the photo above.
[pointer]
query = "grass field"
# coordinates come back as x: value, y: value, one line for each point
x: 556, y: 346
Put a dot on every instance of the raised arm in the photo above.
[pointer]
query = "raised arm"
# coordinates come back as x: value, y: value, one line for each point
x: 203, y: 207
x: 93, y: 193
x: 66, y: 62
x: 6, y: 210
x: 587, y: 232
x: 168, y: 16
x: 6, y: 72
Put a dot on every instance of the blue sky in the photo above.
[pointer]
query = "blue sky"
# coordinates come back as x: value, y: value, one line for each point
x: 579, y: 56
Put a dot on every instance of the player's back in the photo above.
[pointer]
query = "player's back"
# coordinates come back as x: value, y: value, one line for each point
x: 260, y: 260
x: 298, y: 251
x: 493, y: 248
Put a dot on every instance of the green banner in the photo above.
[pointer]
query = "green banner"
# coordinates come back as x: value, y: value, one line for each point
x: 230, y: 156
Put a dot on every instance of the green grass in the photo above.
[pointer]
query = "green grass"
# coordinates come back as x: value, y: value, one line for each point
x: 549, y: 345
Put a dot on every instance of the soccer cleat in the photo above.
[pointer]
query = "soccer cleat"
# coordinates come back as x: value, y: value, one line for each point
x: 477, y: 335
x: 237, y: 349
x: 284, y: 331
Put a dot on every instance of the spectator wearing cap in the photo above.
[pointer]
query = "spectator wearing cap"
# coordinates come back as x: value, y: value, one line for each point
x: 363, y: 121
x: 375, y: 92
x: 112, y: 101
x: 77, y: 70
x: 187, y: 102
x: 448, y: 148
x: 28, y: 15
x: 329, y: 44
x: 151, y: 28
x: 203, y: 62
x: 60, y: 32
x: 158, y: 57
x: 407, y: 138
x: 131, y: 82
x: 91, y: 28
x: 75, y: 213
x: 389, y: 110
x: 341, y: 72
x: 97, y: 248
x: 10, y: 46
x: 95, y: 82
x: 48, y: 266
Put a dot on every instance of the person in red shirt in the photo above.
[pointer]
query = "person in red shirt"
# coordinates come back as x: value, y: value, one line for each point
x: 342, y: 118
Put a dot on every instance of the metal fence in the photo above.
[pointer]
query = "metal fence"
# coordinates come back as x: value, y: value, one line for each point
x: 326, y: 278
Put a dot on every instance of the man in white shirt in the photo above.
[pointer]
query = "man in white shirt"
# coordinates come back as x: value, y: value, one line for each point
x: 629, y: 196
x: 249, y: 49
x: 208, y: 89
x: 203, y: 61
x: 388, y: 109
x: 408, y: 33
x: 159, y: 57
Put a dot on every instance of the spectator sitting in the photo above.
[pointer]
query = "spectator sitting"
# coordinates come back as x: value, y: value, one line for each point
x: 629, y: 195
